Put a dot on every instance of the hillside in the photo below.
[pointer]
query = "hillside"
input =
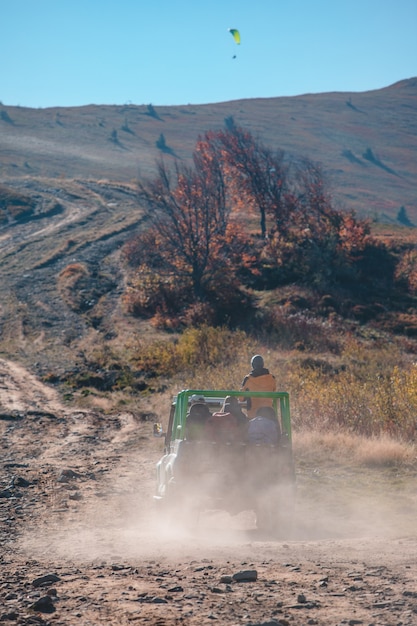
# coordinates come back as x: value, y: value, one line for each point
x: 68, y: 199
x: 367, y: 142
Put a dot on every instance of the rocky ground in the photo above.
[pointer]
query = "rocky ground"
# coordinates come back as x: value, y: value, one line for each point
x: 80, y: 543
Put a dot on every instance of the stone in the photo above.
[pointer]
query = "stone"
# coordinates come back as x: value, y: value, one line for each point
x: 66, y: 475
x: 45, y: 580
x: 44, y: 605
x: 176, y: 589
x: 9, y: 617
x: 76, y: 496
x: 7, y: 493
x: 271, y: 623
x: 19, y: 481
x: 246, y: 576
x: 226, y: 579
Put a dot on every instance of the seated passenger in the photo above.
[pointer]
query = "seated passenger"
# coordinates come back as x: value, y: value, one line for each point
x: 196, y: 420
x: 231, y: 405
x: 264, y: 428
x: 226, y: 425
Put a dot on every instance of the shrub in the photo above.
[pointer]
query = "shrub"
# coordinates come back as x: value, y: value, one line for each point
x: 151, y: 111
x: 81, y: 289
x: 201, y: 347
x: 6, y: 117
x: 70, y: 283
x: 406, y: 271
x: 16, y: 205
x: 287, y: 328
x: 161, y: 143
x: 114, y: 138
x: 370, y: 396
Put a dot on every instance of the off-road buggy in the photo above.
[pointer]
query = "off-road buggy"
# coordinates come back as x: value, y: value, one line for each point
x: 206, y: 466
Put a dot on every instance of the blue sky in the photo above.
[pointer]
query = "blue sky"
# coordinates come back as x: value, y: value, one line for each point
x: 176, y: 52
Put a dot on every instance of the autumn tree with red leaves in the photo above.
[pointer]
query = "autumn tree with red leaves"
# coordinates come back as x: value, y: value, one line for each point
x: 199, y: 257
x: 257, y: 176
x: 187, y: 259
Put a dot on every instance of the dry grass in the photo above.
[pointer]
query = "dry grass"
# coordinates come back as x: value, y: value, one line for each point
x: 348, y: 449
x: 383, y: 451
x: 368, y: 389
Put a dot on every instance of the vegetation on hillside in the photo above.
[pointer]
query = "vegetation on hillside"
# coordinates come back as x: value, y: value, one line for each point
x: 242, y: 253
x: 243, y: 220
x: 16, y: 207
x: 245, y: 252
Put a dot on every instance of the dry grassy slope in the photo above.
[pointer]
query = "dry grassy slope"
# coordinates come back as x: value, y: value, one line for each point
x: 37, y: 322
x: 337, y: 129
x: 84, y: 159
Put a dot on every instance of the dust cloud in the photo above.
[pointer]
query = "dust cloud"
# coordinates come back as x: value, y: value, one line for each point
x: 122, y: 523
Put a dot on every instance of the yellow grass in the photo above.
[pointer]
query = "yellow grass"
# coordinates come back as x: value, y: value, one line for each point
x: 351, y: 449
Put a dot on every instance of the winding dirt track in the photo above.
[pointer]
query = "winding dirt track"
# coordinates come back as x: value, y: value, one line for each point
x: 80, y: 544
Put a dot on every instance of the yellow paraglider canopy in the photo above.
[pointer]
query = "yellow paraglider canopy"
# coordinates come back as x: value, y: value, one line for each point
x: 235, y: 34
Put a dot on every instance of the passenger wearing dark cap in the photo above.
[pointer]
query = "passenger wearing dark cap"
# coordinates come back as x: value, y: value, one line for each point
x: 196, y: 418
x: 258, y: 379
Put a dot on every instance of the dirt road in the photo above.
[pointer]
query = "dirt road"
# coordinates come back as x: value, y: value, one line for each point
x: 79, y: 542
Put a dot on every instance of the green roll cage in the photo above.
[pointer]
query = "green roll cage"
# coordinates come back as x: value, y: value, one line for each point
x: 180, y: 407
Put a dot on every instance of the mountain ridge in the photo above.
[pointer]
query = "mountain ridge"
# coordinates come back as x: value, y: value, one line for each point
x: 337, y: 129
